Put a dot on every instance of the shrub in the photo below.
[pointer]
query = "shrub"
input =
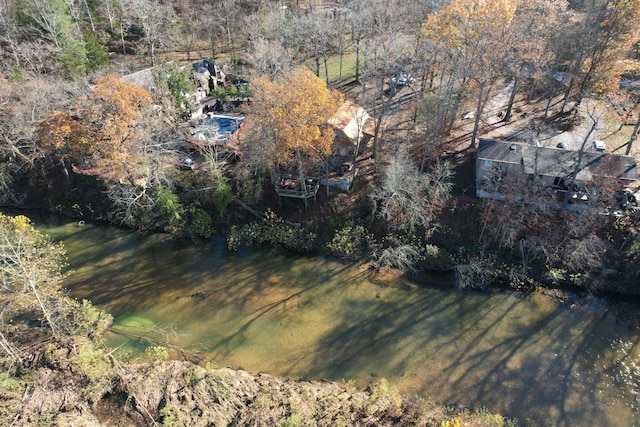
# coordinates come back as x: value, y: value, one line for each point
x: 437, y: 258
x: 635, y: 50
x: 631, y: 249
x: 402, y: 257
x: 200, y: 222
x: 350, y: 242
x: 475, y: 272
x: 232, y: 91
x: 556, y: 275
x: 168, y: 203
x: 90, y: 321
x: 156, y: 354
x: 92, y: 362
x: 294, y: 420
x: 221, y: 94
x: 221, y: 194
x: 273, y: 230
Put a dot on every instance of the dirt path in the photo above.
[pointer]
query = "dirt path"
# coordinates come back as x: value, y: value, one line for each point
x: 569, y: 129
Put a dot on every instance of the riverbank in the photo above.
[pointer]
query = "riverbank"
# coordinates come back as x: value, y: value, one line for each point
x: 50, y: 390
x: 264, y: 310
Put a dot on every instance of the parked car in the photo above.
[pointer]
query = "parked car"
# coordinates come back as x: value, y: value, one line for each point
x: 401, y: 80
x: 187, y: 164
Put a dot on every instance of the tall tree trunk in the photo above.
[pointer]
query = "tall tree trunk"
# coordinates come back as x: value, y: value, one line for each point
x: 587, y: 74
x: 43, y: 307
x: 212, y: 41
x: 426, y: 157
x: 230, y: 44
x: 384, y: 106
x: 124, y: 47
x: 301, y: 176
x: 575, y: 172
x: 358, y: 60
x: 341, y: 52
x: 634, y: 135
x: 152, y: 53
x: 546, y: 108
x: 456, y: 105
x: 507, y: 114
x: 326, y: 67
x: 567, y: 92
x: 483, y: 97
x: 93, y: 27
x: 572, y: 81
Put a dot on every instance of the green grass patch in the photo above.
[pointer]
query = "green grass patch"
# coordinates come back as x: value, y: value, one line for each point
x: 10, y: 384
x: 333, y: 65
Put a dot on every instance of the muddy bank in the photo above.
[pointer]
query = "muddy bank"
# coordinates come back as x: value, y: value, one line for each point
x: 51, y: 392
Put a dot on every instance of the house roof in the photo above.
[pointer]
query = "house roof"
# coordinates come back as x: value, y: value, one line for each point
x: 204, y: 65
x: 143, y: 78
x: 351, y: 118
x: 500, y: 151
x: 559, y: 162
x: 551, y: 161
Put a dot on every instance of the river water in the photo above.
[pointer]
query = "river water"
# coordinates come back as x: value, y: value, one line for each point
x: 311, y: 317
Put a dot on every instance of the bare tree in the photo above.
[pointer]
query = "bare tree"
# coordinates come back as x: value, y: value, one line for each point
x: 270, y: 58
x: 586, y: 254
x: 8, y: 37
x: 530, y: 41
x: 51, y: 19
x: 155, y: 21
x: 273, y: 28
x: 408, y: 199
x: 518, y: 214
x: 229, y: 14
x: 579, y: 165
x: 315, y: 36
x: 387, y: 57
x: 361, y: 22
x: 401, y: 256
x: 473, y: 273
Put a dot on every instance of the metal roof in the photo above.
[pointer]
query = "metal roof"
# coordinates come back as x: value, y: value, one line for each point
x: 559, y: 162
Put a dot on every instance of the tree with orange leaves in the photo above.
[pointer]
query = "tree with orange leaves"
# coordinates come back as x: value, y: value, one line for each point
x: 101, y: 126
x: 289, y: 120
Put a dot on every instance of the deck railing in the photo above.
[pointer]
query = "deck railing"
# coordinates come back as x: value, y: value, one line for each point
x: 290, y: 187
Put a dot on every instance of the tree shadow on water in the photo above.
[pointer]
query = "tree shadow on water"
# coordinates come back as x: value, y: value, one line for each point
x: 496, y: 352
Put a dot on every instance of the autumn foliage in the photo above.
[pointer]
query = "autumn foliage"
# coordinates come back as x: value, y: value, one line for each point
x: 101, y: 126
x: 292, y: 117
x: 467, y: 24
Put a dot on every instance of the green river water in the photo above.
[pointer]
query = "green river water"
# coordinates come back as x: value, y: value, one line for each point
x: 312, y: 317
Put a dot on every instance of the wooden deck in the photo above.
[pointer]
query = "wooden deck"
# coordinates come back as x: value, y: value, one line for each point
x: 286, y: 186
